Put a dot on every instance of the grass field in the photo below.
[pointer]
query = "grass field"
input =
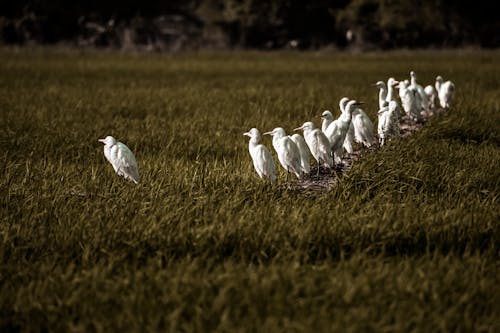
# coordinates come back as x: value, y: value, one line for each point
x: 408, y: 241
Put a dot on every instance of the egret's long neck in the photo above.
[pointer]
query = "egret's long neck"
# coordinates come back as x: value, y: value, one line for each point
x: 252, y: 143
x: 382, y: 94
x: 413, y: 80
x: 107, y: 151
x: 390, y: 93
x: 342, y: 106
x: 348, y: 115
x: 276, y: 139
x: 438, y: 86
x: 324, y: 125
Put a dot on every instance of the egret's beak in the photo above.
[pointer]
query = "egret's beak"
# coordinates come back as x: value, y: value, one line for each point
x: 102, y: 140
x: 396, y: 82
x: 268, y: 133
x: 359, y: 103
x: 373, y: 84
x: 246, y: 134
x: 297, y: 129
x: 396, y: 86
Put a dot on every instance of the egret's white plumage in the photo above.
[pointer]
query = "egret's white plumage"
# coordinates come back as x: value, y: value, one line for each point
x: 431, y: 96
x: 318, y: 144
x: 446, y: 92
x: 336, y: 131
x: 382, y: 94
x: 328, y: 122
x: 121, y: 158
x: 363, y: 127
x: 420, y: 96
x: 330, y: 128
x: 262, y: 160
x: 304, y: 152
x: 391, y: 95
x: 410, y: 101
x: 388, y: 123
x: 350, y: 137
x: 287, y: 150
x: 391, y: 84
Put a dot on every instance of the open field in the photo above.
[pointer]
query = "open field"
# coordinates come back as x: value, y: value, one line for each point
x: 408, y: 241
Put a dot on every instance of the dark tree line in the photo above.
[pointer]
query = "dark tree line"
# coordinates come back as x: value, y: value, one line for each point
x: 194, y: 24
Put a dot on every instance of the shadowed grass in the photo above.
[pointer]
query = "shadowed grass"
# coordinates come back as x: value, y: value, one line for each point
x: 407, y: 241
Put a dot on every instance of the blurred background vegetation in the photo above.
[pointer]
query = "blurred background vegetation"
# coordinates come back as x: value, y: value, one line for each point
x: 173, y: 25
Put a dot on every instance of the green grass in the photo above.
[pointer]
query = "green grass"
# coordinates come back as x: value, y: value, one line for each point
x: 409, y: 240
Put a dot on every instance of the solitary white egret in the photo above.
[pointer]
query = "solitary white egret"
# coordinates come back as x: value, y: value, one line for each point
x: 388, y: 123
x: 431, y: 96
x: 410, y: 101
x: 382, y: 94
x: 121, y: 158
x: 446, y: 92
x: 421, y: 96
x: 318, y: 144
x: 262, y: 160
x: 287, y: 150
x: 363, y: 127
x: 304, y: 152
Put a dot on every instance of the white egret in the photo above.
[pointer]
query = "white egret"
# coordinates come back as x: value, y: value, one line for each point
x: 391, y: 96
x: 382, y: 94
x: 363, y: 127
x: 304, y: 152
x: 409, y: 101
x: 391, y: 84
x: 350, y: 137
x: 330, y: 127
x: 446, y: 92
x: 431, y: 96
x: 121, y: 158
x: 336, y: 132
x: 327, y: 121
x: 388, y: 122
x: 421, y: 96
x: 287, y: 150
x: 318, y: 144
x: 262, y: 160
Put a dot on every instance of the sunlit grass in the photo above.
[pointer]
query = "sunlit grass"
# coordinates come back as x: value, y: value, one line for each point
x: 408, y: 240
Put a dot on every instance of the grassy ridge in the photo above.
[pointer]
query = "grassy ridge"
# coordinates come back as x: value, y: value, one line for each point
x: 409, y: 240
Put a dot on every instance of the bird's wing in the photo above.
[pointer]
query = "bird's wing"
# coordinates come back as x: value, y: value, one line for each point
x: 323, y: 143
x: 383, y: 122
x: 264, y: 161
x: 332, y: 130
x: 126, y: 163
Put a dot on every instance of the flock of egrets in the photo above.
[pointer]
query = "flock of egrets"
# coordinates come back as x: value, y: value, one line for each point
x: 328, y: 144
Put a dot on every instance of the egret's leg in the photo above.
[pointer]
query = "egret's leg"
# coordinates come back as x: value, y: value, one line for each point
x: 317, y: 174
x: 287, y: 173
